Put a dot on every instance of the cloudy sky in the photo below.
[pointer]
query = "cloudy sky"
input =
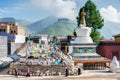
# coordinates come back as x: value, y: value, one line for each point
x: 34, y: 10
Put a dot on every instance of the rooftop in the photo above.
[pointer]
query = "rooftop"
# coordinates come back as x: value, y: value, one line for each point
x: 109, y: 41
x: 118, y: 35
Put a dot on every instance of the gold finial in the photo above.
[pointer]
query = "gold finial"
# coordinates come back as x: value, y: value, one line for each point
x: 83, y: 14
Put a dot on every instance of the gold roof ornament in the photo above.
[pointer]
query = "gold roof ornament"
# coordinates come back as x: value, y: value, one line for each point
x: 83, y: 14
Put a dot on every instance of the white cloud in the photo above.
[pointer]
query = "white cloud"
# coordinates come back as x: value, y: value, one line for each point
x: 59, y: 8
x: 36, y: 9
x: 110, y: 14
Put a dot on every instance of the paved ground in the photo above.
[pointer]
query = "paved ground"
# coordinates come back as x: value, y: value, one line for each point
x: 87, y: 75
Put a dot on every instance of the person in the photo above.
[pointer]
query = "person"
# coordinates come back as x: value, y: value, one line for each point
x: 66, y: 72
x: 16, y: 72
x: 28, y: 72
x: 79, y: 71
x: 74, y: 33
x: 61, y: 61
x: 19, y: 72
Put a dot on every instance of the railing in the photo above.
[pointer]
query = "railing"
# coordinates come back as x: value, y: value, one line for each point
x: 67, y: 60
x: 96, y: 66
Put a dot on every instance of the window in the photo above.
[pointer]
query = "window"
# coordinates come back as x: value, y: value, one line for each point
x: 11, y: 31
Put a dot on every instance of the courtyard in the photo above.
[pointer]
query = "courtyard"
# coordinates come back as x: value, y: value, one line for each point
x: 86, y: 75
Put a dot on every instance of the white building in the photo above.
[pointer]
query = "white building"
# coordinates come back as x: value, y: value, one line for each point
x: 3, y: 46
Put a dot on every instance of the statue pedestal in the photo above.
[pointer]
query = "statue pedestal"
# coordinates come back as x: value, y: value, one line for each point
x: 83, y: 47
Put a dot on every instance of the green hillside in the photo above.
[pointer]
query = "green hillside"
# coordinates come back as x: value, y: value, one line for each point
x: 60, y: 28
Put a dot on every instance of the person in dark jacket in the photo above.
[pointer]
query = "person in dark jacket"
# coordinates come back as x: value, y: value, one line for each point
x: 79, y: 71
x: 28, y: 72
x: 66, y: 72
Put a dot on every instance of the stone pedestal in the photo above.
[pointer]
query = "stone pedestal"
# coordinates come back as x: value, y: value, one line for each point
x: 83, y: 47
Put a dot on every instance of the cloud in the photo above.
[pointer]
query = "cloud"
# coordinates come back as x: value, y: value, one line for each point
x: 110, y: 14
x: 58, y: 8
x: 38, y: 9
x: 3, y: 11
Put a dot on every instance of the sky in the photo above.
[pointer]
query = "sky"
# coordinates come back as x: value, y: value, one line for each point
x: 34, y: 10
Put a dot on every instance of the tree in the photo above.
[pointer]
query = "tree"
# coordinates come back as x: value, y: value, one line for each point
x: 95, y: 35
x: 55, y: 39
x: 93, y: 19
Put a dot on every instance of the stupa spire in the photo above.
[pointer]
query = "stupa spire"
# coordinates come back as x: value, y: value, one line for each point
x: 82, y: 21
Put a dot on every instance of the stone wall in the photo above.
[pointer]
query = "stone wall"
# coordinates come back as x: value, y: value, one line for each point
x: 55, y: 69
x: 3, y: 46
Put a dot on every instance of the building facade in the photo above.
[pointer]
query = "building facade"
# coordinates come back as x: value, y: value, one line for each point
x: 12, y: 27
x: 3, y: 46
x: 15, y: 35
x: 109, y: 48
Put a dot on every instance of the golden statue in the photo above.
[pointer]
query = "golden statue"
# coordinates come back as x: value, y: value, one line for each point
x: 83, y: 14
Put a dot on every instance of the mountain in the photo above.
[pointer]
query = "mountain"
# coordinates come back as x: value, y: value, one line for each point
x: 7, y: 19
x: 53, y: 26
x: 24, y: 23
x: 60, y: 28
x: 42, y: 24
x: 21, y: 22
x: 64, y: 28
x: 109, y: 29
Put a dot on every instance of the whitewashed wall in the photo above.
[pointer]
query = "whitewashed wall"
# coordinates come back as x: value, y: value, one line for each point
x: 3, y: 46
x: 19, y: 39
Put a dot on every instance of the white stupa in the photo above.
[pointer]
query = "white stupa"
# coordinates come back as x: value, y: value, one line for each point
x: 114, y: 65
x: 83, y: 47
x: 83, y: 32
x: 83, y: 35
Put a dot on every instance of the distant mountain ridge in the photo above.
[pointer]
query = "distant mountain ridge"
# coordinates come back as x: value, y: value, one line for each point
x: 60, y: 26
x: 41, y: 24
x: 7, y: 19
x: 109, y: 29
x: 21, y: 22
x: 53, y: 26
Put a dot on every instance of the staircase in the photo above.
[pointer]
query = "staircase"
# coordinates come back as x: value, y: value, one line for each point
x: 66, y: 60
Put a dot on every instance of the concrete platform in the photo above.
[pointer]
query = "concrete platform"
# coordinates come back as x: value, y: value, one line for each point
x: 86, y: 75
